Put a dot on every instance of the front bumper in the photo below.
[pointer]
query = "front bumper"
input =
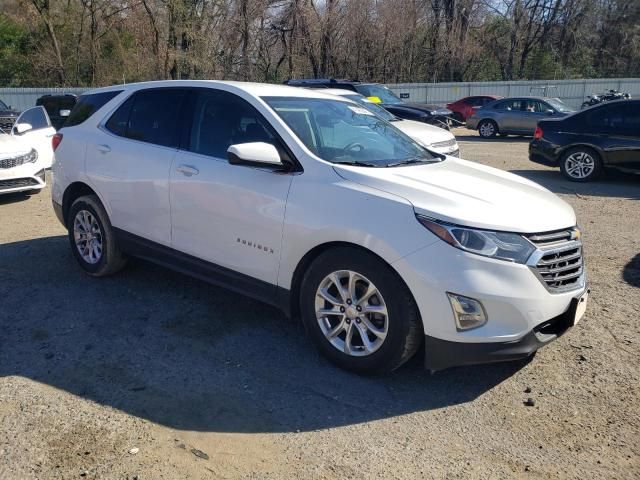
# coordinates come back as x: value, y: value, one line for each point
x: 21, y: 180
x: 442, y: 354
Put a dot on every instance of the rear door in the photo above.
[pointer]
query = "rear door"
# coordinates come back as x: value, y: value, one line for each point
x: 129, y: 157
x: 38, y: 135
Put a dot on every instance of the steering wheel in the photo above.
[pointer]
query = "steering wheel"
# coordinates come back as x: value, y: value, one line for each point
x: 353, y: 146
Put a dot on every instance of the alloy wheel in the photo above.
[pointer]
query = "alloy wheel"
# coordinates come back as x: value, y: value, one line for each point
x: 351, y: 313
x: 487, y: 129
x: 87, y: 236
x: 579, y: 165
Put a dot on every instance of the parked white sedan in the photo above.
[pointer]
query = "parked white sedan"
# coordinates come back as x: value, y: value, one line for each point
x: 434, y: 138
x: 25, y: 152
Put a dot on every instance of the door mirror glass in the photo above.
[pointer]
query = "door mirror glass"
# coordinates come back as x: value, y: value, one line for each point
x: 254, y: 154
x: 64, y: 113
x: 550, y: 112
x: 21, y: 128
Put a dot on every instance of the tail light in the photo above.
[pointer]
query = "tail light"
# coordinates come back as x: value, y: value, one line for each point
x: 56, y: 140
x: 537, y: 135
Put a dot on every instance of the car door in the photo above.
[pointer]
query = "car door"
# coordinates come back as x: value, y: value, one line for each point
x: 128, y: 161
x: 532, y: 112
x: 508, y: 115
x: 37, y: 133
x: 621, y: 129
x: 230, y: 216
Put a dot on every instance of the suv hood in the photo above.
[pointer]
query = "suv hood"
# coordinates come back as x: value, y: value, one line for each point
x: 466, y: 193
x: 10, y: 146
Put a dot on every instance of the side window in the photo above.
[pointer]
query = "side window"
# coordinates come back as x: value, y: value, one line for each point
x: 154, y: 116
x: 475, y: 101
x: 88, y: 105
x: 631, y: 120
x: 510, y: 105
x: 36, y: 117
x: 534, y: 106
x: 604, y: 119
x: 119, y: 121
x: 221, y: 119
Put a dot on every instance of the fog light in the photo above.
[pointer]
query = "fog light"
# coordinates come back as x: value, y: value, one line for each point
x: 468, y: 313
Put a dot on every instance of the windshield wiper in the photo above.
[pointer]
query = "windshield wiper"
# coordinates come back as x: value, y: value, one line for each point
x: 356, y: 163
x: 413, y: 161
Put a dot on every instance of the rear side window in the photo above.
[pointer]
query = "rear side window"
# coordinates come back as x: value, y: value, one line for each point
x: 150, y: 116
x: 88, y: 105
x: 508, y: 105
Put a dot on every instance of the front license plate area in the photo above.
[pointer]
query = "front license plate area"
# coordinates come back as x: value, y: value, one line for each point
x: 581, y: 307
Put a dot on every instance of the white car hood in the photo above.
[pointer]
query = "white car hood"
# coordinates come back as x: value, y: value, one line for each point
x: 10, y: 146
x: 467, y: 193
x: 423, y: 132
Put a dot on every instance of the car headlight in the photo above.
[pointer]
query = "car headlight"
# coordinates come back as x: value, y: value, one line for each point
x: 30, y: 157
x: 501, y: 245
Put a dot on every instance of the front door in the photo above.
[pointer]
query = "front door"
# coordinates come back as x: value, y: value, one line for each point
x: 228, y: 215
x: 38, y: 133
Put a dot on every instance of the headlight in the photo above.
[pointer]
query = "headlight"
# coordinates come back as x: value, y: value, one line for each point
x: 30, y: 157
x: 501, y: 245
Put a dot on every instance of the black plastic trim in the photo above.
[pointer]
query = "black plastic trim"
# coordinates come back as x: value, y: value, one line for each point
x: 201, y: 269
x: 443, y: 354
x: 57, y: 209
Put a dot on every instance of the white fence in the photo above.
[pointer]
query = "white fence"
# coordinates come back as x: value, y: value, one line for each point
x: 572, y: 92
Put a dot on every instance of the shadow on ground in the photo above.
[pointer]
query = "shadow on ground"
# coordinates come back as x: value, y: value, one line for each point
x: 611, y: 184
x: 9, y: 198
x: 179, y: 352
x: 631, y: 272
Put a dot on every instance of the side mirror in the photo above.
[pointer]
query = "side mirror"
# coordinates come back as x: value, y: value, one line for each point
x: 64, y: 113
x: 254, y: 154
x: 550, y: 112
x: 21, y: 128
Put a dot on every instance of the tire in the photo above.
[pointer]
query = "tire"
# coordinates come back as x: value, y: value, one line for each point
x: 87, y: 212
x: 581, y: 164
x: 396, y: 319
x: 488, y: 129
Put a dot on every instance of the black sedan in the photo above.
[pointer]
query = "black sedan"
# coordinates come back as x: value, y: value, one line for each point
x: 587, y: 142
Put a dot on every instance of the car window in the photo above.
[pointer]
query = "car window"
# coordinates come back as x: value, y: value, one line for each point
x: 119, y: 121
x: 154, y: 116
x: 36, y: 117
x: 87, y: 105
x: 3, y: 106
x: 50, y: 105
x: 533, y: 106
x: 475, y: 101
x: 66, y: 102
x: 383, y: 93
x: 341, y: 132
x: 604, y: 119
x: 631, y: 119
x: 222, y: 119
x: 374, y: 107
x: 509, y: 105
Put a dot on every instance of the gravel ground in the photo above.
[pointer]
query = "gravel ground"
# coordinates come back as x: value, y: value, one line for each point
x: 151, y: 374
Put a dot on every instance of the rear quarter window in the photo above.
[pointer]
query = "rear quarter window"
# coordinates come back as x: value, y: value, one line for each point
x: 87, y: 105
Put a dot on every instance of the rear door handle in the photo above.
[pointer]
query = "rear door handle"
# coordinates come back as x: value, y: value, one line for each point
x: 104, y: 148
x: 188, y: 170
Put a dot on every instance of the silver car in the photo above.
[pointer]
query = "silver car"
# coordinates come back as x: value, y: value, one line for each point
x: 515, y: 115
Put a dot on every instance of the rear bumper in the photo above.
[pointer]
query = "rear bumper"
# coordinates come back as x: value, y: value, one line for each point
x: 442, y: 354
x: 542, y: 152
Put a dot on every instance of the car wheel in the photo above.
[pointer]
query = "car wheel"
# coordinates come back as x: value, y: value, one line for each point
x: 358, y: 311
x: 92, y: 239
x: 488, y: 129
x: 581, y: 164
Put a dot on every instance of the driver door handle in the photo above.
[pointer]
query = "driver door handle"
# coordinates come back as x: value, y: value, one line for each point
x: 104, y: 148
x: 187, y: 170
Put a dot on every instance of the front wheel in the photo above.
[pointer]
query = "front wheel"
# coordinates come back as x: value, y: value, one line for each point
x: 488, y: 129
x: 92, y: 238
x: 581, y: 164
x: 358, y: 311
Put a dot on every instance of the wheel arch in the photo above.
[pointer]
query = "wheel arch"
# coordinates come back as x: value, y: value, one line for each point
x: 309, y: 257
x: 588, y: 145
x: 74, y: 191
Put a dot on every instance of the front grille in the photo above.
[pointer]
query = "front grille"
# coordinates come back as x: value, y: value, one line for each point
x: 17, y: 183
x: 446, y: 143
x: 558, y: 261
x: 12, y: 162
x: 6, y: 123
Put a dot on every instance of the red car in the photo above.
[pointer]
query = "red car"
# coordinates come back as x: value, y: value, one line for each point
x: 464, y: 108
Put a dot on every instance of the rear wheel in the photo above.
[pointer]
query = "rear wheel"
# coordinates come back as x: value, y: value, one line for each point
x: 358, y: 311
x: 581, y: 164
x: 92, y: 238
x: 487, y: 129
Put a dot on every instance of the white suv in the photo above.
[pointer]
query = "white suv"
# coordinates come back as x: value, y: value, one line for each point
x: 311, y: 203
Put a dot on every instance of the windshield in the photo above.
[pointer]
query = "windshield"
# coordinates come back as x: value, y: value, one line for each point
x: 374, y: 107
x: 3, y: 106
x: 341, y: 132
x: 558, y: 105
x: 383, y: 93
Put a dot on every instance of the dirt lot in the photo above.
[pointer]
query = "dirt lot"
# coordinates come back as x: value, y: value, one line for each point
x: 207, y: 384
